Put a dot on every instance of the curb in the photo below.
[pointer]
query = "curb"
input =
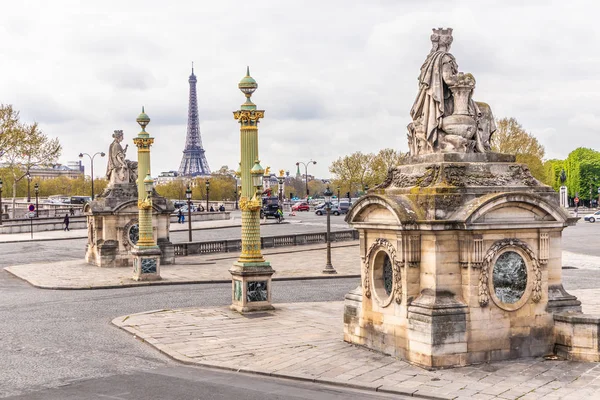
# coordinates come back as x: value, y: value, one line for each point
x: 173, y: 283
x: 282, y: 375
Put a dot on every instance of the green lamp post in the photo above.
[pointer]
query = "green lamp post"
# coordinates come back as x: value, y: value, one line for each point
x: 146, y: 261
x: 251, y: 274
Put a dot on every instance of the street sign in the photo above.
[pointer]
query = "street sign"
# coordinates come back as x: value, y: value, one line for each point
x: 31, y: 207
x: 31, y: 214
x: 576, y: 200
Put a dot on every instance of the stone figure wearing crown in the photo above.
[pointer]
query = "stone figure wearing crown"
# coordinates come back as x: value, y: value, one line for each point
x: 445, y: 117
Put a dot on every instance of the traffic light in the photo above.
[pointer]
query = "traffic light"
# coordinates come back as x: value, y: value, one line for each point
x: 291, y: 196
x: 348, y: 195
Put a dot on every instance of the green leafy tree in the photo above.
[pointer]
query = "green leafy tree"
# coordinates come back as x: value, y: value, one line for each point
x: 172, y: 190
x: 352, y: 173
x: 582, y: 167
x: 383, y: 162
x: 26, y: 147
x: 553, y: 169
x: 511, y: 138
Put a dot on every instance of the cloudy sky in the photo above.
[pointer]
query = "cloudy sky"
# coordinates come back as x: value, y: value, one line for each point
x: 335, y: 76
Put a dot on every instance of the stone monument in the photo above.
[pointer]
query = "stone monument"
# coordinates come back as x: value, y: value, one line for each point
x: 460, y: 247
x: 113, y: 227
x: 564, y: 197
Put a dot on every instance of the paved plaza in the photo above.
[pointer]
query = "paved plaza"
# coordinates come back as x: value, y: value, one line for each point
x: 304, y: 341
x: 301, y: 339
x: 301, y: 262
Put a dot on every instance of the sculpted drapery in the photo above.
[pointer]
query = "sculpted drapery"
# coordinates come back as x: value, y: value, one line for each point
x: 118, y: 169
x: 445, y: 117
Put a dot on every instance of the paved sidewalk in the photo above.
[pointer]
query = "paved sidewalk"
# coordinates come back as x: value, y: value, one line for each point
x: 298, y: 262
x: 304, y: 341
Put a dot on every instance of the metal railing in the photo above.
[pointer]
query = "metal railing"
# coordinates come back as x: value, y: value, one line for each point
x: 235, y: 245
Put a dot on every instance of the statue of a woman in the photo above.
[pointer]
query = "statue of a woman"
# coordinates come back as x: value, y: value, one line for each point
x: 445, y: 117
x: 119, y: 170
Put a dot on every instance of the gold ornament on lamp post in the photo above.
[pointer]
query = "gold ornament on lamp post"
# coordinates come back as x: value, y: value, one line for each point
x: 251, y: 274
x: 146, y: 261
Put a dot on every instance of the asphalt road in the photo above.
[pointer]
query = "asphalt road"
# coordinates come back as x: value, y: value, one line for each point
x: 61, y: 345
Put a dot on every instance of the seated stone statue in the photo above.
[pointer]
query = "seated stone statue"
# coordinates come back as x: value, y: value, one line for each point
x: 445, y: 117
x: 119, y: 170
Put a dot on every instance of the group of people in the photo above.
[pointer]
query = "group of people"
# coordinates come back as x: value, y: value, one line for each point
x: 181, y: 214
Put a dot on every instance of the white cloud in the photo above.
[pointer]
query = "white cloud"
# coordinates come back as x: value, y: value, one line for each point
x: 334, y: 77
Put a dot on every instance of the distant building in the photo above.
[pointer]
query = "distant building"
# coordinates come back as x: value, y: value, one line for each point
x: 73, y: 169
x: 166, y: 177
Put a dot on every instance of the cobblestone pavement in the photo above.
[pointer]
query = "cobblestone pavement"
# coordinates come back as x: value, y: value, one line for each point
x: 304, y: 341
x: 289, y: 263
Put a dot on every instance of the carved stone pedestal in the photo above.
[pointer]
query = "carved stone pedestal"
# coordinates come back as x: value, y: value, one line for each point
x: 461, y: 262
x: 251, y: 287
x: 146, y: 264
x: 113, y: 227
x: 564, y: 198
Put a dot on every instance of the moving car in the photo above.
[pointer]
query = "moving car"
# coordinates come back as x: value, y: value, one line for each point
x: 269, y: 211
x: 334, y: 210
x: 592, y: 217
x: 302, y: 206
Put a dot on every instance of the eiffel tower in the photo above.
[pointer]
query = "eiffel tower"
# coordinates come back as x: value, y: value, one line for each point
x: 193, y: 162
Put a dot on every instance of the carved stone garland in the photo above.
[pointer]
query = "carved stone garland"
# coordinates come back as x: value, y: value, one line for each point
x: 396, y: 265
x: 484, y: 295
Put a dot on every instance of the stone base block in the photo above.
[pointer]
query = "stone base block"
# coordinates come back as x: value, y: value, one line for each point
x: 167, y: 250
x: 146, y: 264
x: 577, y: 336
x: 560, y: 301
x: 251, y: 287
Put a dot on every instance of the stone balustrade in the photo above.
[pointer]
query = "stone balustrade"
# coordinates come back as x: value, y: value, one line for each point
x: 234, y: 245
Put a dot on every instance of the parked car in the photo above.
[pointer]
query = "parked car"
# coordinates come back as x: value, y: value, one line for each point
x: 302, y: 206
x: 344, y: 206
x: 184, y: 209
x: 334, y: 210
x: 179, y: 203
x: 80, y: 199
x: 592, y: 217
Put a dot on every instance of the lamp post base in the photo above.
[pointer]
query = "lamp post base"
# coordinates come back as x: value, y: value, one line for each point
x: 146, y: 264
x: 329, y: 269
x: 251, y: 287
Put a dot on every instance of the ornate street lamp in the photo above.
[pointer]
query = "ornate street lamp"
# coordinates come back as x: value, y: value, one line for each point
x: 28, y: 186
x: 306, y: 164
x: 1, y: 211
x: 207, y: 183
x: 328, y: 267
x: 280, y: 182
x: 338, y: 196
x: 146, y: 261
x: 188, y: 196
x: 251, y: 274
x: 36, y: 189
x: 102, y: 154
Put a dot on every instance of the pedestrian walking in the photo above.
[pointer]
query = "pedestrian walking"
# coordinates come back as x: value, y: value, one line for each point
x: 180, y: 216
x: 71, y: 211
x: 66, y: 222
